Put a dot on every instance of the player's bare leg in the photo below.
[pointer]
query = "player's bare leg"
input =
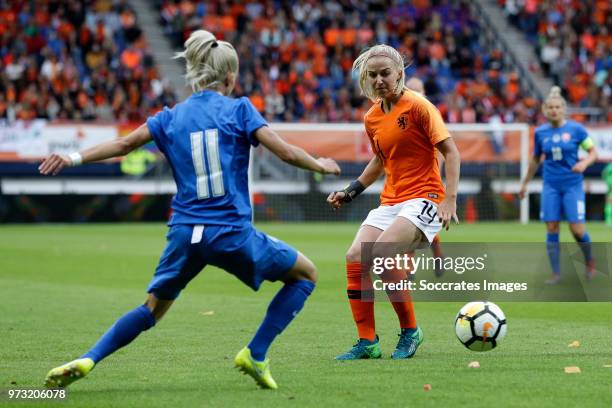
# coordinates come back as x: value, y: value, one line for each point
x: 436, y: 249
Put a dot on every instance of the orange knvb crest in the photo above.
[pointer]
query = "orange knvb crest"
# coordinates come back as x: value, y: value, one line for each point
x: 485, y: 331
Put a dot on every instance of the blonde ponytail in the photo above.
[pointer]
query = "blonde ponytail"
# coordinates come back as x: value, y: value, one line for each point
x: 555, y: 93
x: 207, y: 60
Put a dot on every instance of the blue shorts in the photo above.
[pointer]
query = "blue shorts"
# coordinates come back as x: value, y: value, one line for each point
x: 562, y: 202
x: 250, y: 255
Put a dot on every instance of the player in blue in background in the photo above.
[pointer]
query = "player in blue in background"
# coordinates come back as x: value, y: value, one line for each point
x: 207, y: 140
x: 562, y: 193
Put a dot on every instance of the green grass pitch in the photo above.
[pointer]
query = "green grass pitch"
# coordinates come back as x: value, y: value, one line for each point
x: 61, y: 286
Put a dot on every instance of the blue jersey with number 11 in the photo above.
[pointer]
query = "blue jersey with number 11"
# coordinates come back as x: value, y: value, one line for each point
x: 207, y: 140
x: 560, y: 147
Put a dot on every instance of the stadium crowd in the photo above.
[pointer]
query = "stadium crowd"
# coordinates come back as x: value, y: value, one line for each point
x: 296, y: 56
x: 574, y: 44
x: 87, y: 60
x: 75, y: 59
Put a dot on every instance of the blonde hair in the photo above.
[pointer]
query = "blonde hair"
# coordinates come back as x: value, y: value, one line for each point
x: 208, y: 61
x: 380, y: 50
x: 555, y: 93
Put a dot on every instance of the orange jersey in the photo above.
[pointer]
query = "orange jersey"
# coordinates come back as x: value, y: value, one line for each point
x: 404, y: 139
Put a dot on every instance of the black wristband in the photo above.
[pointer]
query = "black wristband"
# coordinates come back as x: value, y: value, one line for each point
x: 352, y: 190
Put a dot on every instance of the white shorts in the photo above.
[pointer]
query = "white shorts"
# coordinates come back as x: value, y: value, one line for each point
x: 420, y: 211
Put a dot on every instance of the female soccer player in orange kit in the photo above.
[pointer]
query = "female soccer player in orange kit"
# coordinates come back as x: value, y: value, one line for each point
x: 405, y: 131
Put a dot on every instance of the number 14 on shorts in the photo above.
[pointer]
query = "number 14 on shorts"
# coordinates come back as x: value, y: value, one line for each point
x: 428, y: 213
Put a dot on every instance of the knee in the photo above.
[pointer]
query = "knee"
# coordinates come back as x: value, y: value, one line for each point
x: 157, y: 307
x: 310, y: 272
x: 305, y: 271
x: 552, y: 227
x: 353, y: 254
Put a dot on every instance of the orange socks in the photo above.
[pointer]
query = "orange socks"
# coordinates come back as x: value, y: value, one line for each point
x: 401, y: 299
x: 363, y: 311
x: 405, y: 314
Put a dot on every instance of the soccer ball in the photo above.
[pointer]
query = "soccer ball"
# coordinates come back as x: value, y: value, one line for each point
x: 480, y: 325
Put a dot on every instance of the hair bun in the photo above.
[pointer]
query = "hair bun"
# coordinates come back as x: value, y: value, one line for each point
x: 554, y: 91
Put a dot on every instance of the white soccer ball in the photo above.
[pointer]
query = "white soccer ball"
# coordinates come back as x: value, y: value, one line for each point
x: 480, y: 326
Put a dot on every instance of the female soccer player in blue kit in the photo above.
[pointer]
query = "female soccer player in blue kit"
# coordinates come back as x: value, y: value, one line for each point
x: 562, y: 193
x: 207, y: 139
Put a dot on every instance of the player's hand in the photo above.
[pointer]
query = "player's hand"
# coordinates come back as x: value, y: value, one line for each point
x: 523, y: 191
x: 329, y: 166
x: 54, y: 164
x: 447, y: 210
x: 579, y: 167
x: 336, y: 199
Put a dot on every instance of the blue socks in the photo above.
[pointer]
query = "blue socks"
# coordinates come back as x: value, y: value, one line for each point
x: 584, y: 243
x: 552, y: 247
x: 126, y: 329
x: 282, y: 309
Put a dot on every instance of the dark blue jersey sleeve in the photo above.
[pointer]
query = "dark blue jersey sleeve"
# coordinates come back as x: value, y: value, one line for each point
x: 157, y: 125
x: 249, y: 120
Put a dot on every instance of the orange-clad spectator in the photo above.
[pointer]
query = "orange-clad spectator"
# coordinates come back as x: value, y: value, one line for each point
x: 100, y: 98
x: 319, y: 66
x: 131, y: 58
x: 513, y: 87
x: 346, y: 61
x: 258, y: 101
x: 286, y: 52
x: 576, y: 89
x: 293, y: 77
x: 349, y: 36
x: 228, y: 24
x: 41, y: 17
x: 258, y: 24
x: 461, y: 88
x: 587, y: 40
x: 479, y: 88
x: 64, y: 30
x: 282, y: 85
x: 332, y: 36
x: 237, y: 10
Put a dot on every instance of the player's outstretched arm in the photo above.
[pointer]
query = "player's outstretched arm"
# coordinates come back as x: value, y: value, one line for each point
x: 113, y: 148
x: 294, y: 155
x: 370, y: 174
x: 534, y: 163
x: 447, y: 210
